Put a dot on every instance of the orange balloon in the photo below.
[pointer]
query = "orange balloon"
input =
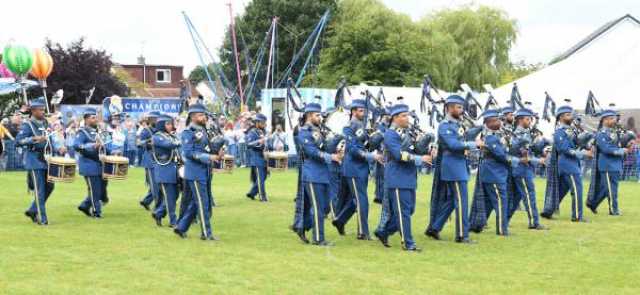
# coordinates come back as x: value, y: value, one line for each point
x: 42, y: 64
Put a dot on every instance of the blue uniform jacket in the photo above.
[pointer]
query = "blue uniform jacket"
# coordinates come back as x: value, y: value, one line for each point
x: 400, y: 169
x: 520, y: 147
x: 610, y: 155
x: 315, y: 168
x: 89, y: 161
x: 564, y: 141
x: 195, y: 153
x: 165, y: 147
x: 495, y: 163
x: 34, y: 152
x: 255, y: 149
x: 356, y: 158
x: 144, y: 143
x: 452, y: 144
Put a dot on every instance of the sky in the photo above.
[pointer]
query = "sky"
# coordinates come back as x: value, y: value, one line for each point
x: 157, y: 30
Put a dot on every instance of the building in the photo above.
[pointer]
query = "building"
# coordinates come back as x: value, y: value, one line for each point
x: 607, y: 62
x: 147, y: 80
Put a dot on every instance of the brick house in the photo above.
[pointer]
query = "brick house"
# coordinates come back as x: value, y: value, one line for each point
x: 147, y: 80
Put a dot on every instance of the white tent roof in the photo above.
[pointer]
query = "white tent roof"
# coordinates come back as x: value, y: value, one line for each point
x: 607, y: 62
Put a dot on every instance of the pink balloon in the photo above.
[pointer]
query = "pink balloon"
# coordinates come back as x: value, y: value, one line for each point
x: 5, y: 73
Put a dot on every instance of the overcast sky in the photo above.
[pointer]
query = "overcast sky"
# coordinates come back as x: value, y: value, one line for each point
x: 156, y: 28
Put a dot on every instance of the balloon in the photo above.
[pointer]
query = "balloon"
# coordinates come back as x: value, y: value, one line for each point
x: 42, y: 64
x: 5, y: 73
x: 18, y: 59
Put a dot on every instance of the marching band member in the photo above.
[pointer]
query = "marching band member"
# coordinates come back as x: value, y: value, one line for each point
x: 198, y: 162
x: 523, y: 174
x: 401, y: 172
x: 144, y: 143
x: 565, y: 173
x: 164, y: 154
x: 355, y: 170
x: 256, y: 146
x: 492, y: 174
x: 609, y: 158
x: 89, y: 144
x: 34, y: 139
x: 315, y: 173
x: 450, y: 191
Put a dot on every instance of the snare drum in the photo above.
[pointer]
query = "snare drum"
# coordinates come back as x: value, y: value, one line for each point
x: 227, y: 165
x: 115, y: 167
x: 61, y: 169
x: 277, y: 161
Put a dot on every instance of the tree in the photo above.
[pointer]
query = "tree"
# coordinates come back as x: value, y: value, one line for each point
x: 297, y: 19
x: 483, y: 37
x: 77, y: 69
x: 518, y: 70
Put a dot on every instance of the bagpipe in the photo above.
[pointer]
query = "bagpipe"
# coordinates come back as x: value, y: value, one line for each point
x: 624, y: 136
x: 217, y: 143
x: 418, y: 141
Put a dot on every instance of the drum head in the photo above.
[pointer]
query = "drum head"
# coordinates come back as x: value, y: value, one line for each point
x: 338, y: 120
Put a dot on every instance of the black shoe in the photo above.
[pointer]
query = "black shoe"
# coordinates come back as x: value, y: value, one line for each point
x: 105, y: 201
x: 213, y: 238
x: 546, y: 215
x: 43, y: 223
x: 476, y: 230
x: 615, y: 214
x: 323, y: 244
x: 465, y: 241
x: 157, y: 219
x: 364, y: 237
x: 85, y: 211
x: 96, y: 215
x: 300, y: 233
x: 339, y: 227
x: 250, y: 196
x: 180, y: 234
x: 172, y: 225
x: 145, y: 206
x: 383, y: 239
x: 263, y: 200
x: 538, y: 227
x: 377, y: 201
x: 592, y: 208
x: 580, y: 220
x: 412, y: 249
x: 432, y: 234
x: 32, y: 216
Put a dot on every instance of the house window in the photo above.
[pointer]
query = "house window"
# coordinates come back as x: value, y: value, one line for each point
x: 163, y: 76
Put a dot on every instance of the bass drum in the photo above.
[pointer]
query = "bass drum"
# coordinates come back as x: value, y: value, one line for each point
x: 337, y: 120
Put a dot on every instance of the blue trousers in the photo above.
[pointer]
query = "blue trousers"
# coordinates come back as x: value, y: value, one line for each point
x: 403, y: 204
x: 95, y: 189
x: 258, y: 178
x: 152, y: 193
x: 524, y: 189
x: 385, y: 213
x: 608, y: 188
x: 168, y: 197
x: 456, y: 199
x: 186, y: 197
x: 337, y: 191
x: 41, y: 191
x: 572, y: 183
x: 497, y: 196
x: 200, y: 206
x: 315, y: 201
x: 358, y: 203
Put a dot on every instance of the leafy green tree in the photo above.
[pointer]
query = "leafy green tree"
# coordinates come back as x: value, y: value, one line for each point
x: 483, y: 36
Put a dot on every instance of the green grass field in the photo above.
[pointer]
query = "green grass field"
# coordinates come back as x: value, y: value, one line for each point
x: 126, y: 253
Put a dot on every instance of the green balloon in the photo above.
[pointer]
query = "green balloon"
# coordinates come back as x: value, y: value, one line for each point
x: 18, y: 59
